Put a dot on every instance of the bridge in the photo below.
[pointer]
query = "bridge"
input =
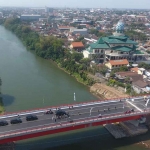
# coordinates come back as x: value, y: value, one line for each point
x: 82, y: 115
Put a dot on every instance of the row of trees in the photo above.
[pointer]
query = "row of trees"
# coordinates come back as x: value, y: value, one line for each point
x: 144, y: 65
x: 136, y: 35
x: 51, y: 48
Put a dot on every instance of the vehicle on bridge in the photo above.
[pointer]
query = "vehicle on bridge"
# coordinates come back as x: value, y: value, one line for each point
x: 31, y: 117
x: 16, y: 121
x: 3, y: 123
x: 60, y: 113
x: 49, y: 112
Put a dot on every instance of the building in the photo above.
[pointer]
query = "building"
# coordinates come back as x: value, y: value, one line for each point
x: 64, y: 28
x: 140, y: 86
x: 138, y: 70
x: 31, y: 17
x: 81, y: 21
x: 133, y: 75
x: 43, y: 19
x: 115, y: 47
x: 78, y: 46
x: 78, y: 31
x: 112, y: 64
x: 135, y: 69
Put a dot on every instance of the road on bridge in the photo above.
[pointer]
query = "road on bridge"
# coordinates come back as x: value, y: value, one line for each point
x: 77, y: 113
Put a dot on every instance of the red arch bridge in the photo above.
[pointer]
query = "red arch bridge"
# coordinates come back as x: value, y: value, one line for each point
x: 82, y: 115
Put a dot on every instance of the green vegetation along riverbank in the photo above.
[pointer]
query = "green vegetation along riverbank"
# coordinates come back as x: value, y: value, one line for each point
x: 51, y: 48
x: 1, y: 106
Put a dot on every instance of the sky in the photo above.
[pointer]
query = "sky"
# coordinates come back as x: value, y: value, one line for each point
x: 142, y: 4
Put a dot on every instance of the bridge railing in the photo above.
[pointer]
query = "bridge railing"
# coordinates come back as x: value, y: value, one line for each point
x: 67, y: 106
x: 63, y: 125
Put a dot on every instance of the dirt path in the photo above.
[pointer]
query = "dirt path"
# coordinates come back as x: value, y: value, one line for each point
x: 108, y: 92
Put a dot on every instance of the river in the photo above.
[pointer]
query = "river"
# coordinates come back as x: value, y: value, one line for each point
x: 31, y: 82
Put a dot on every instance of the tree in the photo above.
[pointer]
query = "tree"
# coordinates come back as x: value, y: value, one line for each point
x: 123, y: 68
x: 26, y: 29
x: 112, y: 74
x: 77, y: 56
x: 127, y: 80
x: 103, y: 70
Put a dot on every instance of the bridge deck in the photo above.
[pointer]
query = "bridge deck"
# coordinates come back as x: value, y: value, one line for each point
x: 80, y: 114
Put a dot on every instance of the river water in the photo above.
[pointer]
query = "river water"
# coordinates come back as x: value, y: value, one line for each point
x: 31, y: 82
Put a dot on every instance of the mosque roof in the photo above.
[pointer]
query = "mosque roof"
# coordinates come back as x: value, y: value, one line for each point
x: 118, y: 39
x: 103, y: 43
x: 122, y: 48
x: 99, y: 44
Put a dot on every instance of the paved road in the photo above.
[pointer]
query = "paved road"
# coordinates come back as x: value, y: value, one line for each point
x: 78, y: 112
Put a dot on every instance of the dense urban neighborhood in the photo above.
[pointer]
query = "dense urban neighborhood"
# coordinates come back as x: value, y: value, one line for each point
x: 96, y: 46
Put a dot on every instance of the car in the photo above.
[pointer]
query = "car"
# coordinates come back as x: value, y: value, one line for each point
x: 31, y: 117
x: 3, y: 123
x: 16, y: 121
x: 59, y: 113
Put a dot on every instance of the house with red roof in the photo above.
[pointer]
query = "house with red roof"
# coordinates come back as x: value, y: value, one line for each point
x: 78, y: 46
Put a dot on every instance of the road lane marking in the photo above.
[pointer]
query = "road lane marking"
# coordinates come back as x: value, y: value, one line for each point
x: 134, y: 106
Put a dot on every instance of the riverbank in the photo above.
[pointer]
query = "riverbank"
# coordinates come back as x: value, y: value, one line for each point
x: 101, y: 89
x: 76, y: 76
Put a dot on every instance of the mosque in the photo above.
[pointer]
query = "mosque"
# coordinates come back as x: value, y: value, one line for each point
x: 115, y: 47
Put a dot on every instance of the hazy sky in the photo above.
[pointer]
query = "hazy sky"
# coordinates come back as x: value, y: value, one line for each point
x: 79, y: 3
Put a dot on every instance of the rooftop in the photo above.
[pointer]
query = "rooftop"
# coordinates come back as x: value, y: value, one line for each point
x: 119, y: 62
x: 64, y: 27
x: 122, y: 48
x: 140, y: 84
x: 135, y: 69
x: 126, y: 73
x: 118, y: 40
x: 77, y: 44
x: 104, y: 42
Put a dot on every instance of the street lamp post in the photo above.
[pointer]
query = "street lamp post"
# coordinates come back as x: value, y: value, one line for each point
x: 74, y: 96
x: 146, y: 104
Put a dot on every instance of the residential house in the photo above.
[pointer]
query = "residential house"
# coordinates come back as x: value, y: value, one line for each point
x: 64, y: 28
x: 135, y: 69
x: 138, y: 70
x: 78, y: 46
x: 133, y: 76
x: 112, y: 64
x: 141, y: 71
x: 139, y: 86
